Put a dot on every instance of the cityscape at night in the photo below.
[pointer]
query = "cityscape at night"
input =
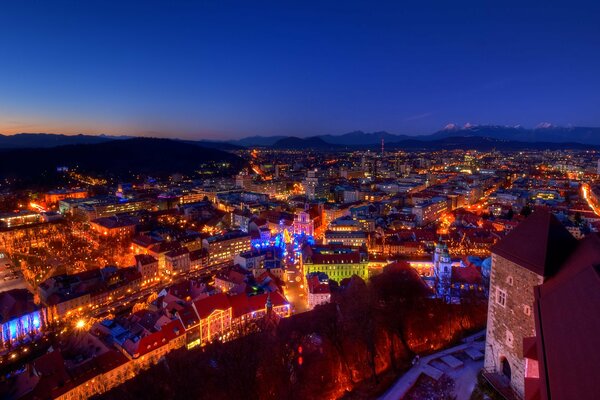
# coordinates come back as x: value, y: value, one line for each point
x: 299, y: 200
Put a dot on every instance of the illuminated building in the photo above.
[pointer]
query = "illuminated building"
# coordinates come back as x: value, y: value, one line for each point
x: 177, y: 261
x: 223, y: 248
x: 318, y: 289
x: 119, y: 227
x: 54, y: 196
x: 337, y: 262
x: 429, y: 211
x: 19, y: 316
x: 69, y: 295
x: 147, y: 266
x: 351, y: 238
x: 304, y: 224
x: 105, y: 206
x: 21, y: 218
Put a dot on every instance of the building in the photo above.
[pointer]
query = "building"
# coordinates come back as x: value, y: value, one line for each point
x: 69, y: 295
x: 314, y: 186
x: 118, y: 227
x: 20, y: 317
x: 54, y: 196
x: 21, y: 218
x: 430, y: 210
x: 348, y: 238
x: 304, y: 224
x: 223, y: 248
x: 521, y: 261
x: 177, y: 261
x: 336, y: 261
x: 318, y: 289
x: 148, y: 267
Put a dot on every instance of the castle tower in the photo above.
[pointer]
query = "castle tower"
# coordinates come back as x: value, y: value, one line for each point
x: 524, y: 259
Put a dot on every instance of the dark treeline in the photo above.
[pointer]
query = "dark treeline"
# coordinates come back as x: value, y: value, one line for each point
x: 369, y: 329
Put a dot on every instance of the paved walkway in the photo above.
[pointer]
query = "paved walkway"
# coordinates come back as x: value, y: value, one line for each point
x: 407, y: 381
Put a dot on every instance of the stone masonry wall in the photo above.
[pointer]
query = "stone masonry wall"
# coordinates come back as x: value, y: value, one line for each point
x: 508, y: 325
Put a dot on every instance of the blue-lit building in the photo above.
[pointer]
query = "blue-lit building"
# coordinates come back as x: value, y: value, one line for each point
x: 19, y: 316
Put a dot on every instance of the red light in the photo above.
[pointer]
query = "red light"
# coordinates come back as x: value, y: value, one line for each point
x: 299, y: 360
x: 300, y: 349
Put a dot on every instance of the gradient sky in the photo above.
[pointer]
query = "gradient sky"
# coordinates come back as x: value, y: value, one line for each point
x: 225, y: 69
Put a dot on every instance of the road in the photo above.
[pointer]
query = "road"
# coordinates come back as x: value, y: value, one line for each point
x: 295, y: 291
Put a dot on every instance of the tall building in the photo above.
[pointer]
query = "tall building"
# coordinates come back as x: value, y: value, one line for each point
x: 524, y: 259
x: 314, y: 186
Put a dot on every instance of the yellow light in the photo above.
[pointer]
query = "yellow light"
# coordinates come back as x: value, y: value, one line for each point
x: 80, y: 324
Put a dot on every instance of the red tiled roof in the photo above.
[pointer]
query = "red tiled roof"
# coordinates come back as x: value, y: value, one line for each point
x: 539, y: 244
x: 150, y: 343
x: 208, y: 305
x: 468, y: 274
x: 173, y: 329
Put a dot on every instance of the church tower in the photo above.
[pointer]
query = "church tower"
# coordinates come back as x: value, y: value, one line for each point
x: 442, y: 269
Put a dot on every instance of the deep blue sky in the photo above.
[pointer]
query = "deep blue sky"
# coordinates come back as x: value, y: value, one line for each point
x: 229, y: 69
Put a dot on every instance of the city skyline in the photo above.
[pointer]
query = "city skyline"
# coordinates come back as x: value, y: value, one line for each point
x: 215, y: 71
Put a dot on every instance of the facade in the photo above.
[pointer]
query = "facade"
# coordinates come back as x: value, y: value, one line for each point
x: 148, y: 267
x: 177, y: 261
x: 349, y: 238
x: 337, y: 262
x: 318, y: 289
x: 430, y: 210
x: 20, y: 317
x: 223, y: 248
x: 119, y: 227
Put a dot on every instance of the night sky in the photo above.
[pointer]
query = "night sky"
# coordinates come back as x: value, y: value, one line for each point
x: 224, y: 69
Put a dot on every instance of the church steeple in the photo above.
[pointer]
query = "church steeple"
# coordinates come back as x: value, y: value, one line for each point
x: 269, y: 305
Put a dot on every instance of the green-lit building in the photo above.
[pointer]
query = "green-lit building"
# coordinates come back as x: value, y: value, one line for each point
x: 337, y: 262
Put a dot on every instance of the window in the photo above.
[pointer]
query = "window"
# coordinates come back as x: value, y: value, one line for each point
x: 509, y: 280
x: 527, y: 310
x: 509, y: 338
x: 501, y: 297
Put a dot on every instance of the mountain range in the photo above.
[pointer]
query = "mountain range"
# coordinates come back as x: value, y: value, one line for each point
x: 543, y: 134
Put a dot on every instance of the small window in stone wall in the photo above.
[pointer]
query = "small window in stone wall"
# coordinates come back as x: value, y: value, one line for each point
x: 509, y: 338
x: 509, y: 280
x: 501, y: 297
x: 527, y: 310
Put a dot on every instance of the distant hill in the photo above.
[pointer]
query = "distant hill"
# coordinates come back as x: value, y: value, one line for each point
x: 260, y: 141
x: 211, y: 144
x: 360, y: 138
x: 117, y: 158
x: 37, y: 140
x: 295, y: 143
